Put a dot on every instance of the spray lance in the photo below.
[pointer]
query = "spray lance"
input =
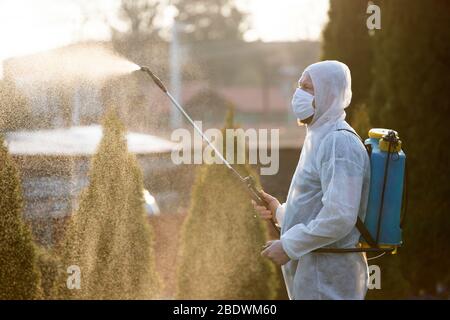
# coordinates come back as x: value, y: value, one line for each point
x: 248, y: 181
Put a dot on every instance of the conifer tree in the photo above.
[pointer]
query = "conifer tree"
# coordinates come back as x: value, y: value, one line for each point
x: 14, y: 109
x: 50, y: 271
x: 346, y: 38
x: 19, y: 275
x: 221, y: 240
x: 109, y: 237
x: 410, y: 96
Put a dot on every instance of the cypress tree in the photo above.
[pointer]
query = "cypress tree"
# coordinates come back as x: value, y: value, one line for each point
x: 221, y: 240
x: 14, y: 109
x: 346, y: 38
x: 409, y: 95
x: 50, y: 270
x: 109, y: 237
x: 19, y: 276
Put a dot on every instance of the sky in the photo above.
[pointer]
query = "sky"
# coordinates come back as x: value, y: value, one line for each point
x: 28, y: 26
x: 286, y: 20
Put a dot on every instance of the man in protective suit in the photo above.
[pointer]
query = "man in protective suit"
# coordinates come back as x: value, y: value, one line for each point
x: 328, y: 191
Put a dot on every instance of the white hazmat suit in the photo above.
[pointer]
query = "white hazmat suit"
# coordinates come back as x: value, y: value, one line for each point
x: 328, y: 191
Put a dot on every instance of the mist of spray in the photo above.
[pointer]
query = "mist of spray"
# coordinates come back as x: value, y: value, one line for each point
x: 87, y: 62
x: 55, y: 77
x: 57, y: 73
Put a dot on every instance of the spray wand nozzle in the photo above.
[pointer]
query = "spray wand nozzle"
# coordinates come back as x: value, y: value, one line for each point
x: 154, y: 78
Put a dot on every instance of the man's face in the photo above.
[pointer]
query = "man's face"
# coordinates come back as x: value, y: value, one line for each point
x: 305, y: 83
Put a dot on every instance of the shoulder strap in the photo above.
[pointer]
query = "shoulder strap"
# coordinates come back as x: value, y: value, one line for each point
x: 348, y: 130
x: 360, y: 139
x: 365, y: 233
x: 359, y: 223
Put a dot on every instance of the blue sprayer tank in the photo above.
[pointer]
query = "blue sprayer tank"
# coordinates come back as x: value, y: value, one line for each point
x: 384, y: 208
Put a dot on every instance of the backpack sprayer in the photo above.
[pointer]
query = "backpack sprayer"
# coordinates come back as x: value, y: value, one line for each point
x: 248, y: 181
x: 381, y: 230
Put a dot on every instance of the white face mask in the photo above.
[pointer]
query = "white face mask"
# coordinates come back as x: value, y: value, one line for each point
x: 302, y: 104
